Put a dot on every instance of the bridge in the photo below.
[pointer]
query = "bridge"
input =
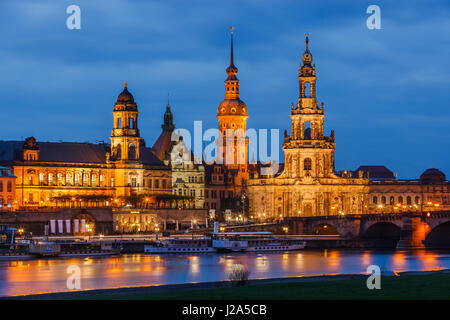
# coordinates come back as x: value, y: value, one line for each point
x: 401, y: 230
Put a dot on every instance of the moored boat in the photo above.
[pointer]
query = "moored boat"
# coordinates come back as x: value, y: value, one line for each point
x: 254, y: 242
x: 202, y: 245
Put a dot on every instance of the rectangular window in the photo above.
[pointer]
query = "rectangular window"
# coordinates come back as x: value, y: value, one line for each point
x: 133, y: 182
x: 30, y: 180
x: 112, y: 182
x: 50, y: 179
x: 149, y: 183
x: 164, y: 183
x: 156, y: 183
x: 206, y: 193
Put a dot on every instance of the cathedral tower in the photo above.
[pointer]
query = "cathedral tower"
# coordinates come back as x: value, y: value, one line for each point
x: 232, y: 115
x: 125, y: 137
x: 308, y: 152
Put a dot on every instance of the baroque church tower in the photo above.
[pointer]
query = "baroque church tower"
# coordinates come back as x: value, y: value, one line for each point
x: 125, y: 137
x: 309, y: 153
x: 232, y: 115
x: 308, y: 185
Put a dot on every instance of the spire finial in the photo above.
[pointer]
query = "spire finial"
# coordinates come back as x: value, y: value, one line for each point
x: 232, y: 51
x: 125, y: 84
x: 307, y: 40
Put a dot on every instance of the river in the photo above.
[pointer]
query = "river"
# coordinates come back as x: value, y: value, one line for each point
x: 50, y: 275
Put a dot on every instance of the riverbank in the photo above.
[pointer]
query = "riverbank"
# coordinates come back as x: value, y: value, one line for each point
x: 432, y: 285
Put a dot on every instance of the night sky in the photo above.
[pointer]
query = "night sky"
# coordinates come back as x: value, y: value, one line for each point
x: 386, y: 92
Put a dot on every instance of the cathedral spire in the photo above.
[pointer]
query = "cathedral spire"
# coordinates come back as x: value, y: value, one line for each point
x: 307, y: 56
x: 232, y: 51
x: 306, y: 41
x: 168, y: 125
x: 232, y: 70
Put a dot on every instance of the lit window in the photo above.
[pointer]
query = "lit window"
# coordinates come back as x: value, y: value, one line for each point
x: 307, y: 164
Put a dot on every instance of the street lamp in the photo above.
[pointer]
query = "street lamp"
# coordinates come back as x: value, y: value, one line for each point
x: 156, y: 231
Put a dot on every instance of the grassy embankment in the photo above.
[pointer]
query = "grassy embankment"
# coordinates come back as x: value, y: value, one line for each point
x: 404, y: 287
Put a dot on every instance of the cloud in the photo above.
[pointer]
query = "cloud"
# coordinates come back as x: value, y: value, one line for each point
x: 374, y: 83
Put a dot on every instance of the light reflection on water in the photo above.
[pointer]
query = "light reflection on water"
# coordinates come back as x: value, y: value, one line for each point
x: 49, y: 275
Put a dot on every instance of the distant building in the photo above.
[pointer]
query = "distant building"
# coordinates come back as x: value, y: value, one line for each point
x: 428, y: 193
x: 376, y: 172
x: 188, y: 175
x: 7, y: 189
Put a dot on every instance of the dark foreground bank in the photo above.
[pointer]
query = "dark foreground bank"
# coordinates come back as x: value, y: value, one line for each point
x: 404, y: 286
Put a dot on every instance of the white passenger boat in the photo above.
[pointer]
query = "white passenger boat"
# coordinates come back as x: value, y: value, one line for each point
x: 254, y: 242
x: 181, y: 246
x: 227, y: 242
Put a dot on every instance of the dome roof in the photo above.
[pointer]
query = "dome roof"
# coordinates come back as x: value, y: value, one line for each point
x: 232, y: 107
x: 125, y: 101
x: 432, y: 175
x: 125, y: 96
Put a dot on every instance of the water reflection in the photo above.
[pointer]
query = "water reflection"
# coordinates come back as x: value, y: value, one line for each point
x: 50, y: 275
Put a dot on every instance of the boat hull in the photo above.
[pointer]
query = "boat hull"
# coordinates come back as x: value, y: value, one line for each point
x: 151, y: 249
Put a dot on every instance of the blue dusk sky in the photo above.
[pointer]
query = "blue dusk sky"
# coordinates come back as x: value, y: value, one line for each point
x: 386, y: 92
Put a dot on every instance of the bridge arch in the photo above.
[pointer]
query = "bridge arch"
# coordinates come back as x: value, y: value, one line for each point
x: 382, y: 234
x: 324, y: 229
x: 439, y: 236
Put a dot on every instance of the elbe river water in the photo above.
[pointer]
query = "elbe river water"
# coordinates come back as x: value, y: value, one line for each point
x: 50, y: 275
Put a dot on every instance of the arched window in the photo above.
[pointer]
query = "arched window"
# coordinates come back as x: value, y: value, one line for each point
x: 400, y: 199
x: 391, y: 200
x: 307, y: 89
x: 307, y: 164
x: 68, y: 178
x: 119, y: 152
x: 50, y: 179
x: 307, y: 132
x: 383, y: 200
x: 417, y: 200
x: 132, y: 152
x: 94, y: 180
x: 119, y: 123
x: 408, y: 200
x: 77, y: 178
x: 375, y: 199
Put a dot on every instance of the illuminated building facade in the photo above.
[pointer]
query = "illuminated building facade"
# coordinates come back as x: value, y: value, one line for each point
x: 308, y: 185
x: 226, y: 178
x: 431, y: 192
x: 188, y: 175
x: 7, y: 189
x: 68, y: 174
